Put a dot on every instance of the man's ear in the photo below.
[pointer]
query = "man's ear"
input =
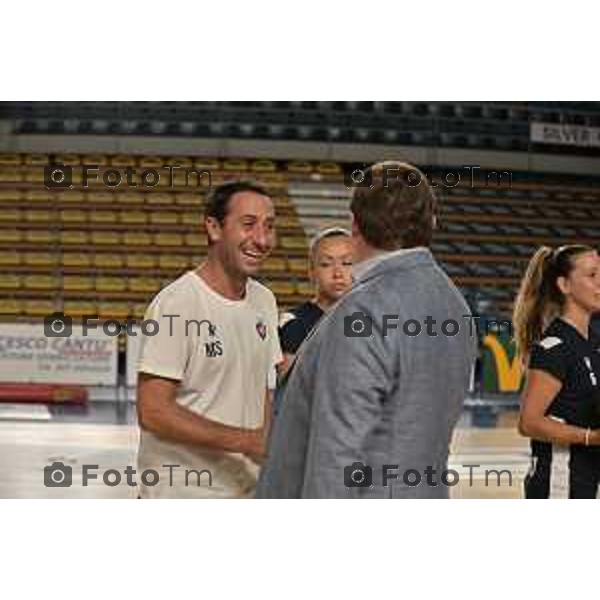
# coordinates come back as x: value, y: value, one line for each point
x: 434, y: 222
x: 213, y: 229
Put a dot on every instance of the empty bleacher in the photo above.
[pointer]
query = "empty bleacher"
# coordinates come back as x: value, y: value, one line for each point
x: 485, y: 235
x: 107, y: 251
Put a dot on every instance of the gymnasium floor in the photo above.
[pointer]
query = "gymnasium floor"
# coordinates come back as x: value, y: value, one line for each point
x: 105, y: 433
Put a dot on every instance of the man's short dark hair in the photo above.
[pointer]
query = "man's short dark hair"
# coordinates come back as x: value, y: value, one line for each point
x: 217, y: 202
x: 395, y: 212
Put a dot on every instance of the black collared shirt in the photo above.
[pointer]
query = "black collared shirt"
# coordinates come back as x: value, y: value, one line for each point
x: 575, y: 361
x: 294, y: 330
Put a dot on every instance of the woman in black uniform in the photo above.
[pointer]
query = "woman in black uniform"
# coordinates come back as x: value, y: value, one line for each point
x: 560, y: 408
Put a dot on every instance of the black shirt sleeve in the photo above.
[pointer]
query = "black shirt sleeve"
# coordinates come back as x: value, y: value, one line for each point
x: 291, y: 335
x: 552, y: 360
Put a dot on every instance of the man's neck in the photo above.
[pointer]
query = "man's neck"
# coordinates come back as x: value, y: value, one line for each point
x: 219, y: 280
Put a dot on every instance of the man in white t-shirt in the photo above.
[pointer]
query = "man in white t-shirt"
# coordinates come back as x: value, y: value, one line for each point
x: 203, y: 398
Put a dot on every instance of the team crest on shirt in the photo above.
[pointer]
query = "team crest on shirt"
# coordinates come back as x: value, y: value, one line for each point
x: 261, y: 329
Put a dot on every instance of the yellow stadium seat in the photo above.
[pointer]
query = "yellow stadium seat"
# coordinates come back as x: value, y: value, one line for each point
x: 11, y: 236
x: 180, y: 178
x: 185, y: 162
x: 281, y: 202
x: 164, y: 218
x: 39, y: 216
x: 10, y: 259
x: 39, y: 259
x: 74, y: 237
x: 263, y: 166
x: 114, y: 310
x: 103, y: 217
x: 166, y: 199
x: 235, y: 164
x: 10, y: 159
x: 140, y: 261
x: 105, y: 238
x: 198, y: 180
x: 40, y: 282
x: 73, y: 216
x: 10, y: 175
x: 71, y: 197
x: 10, y: 307
x: 72, y: 283
x: 79, y: 308
x: 129, y: 198
x: 282, y: 288
x: 173, y: 261
x: 210, y: 164
x: 10, y: 195
x: 122, y: 160
x: 137, y: 238
x: 152, y: 162
x: 286, y: 222
x: 191, y: 219
x: 67, y: 159
x: 195, y: 239
x: 110, y: 284
x: 299, y: 167
x: 94, y: 159
x: 133, y: 217
x: 298, y: 265
x: 101, y: 197
x: 76, y: 260
x: 10, y: 282
x: 41, y: 237
x: 274, y: 264
x: 108, y: 261
x: 10, y: 216
x: 329, y: 168
x: 37, y: 159
x: 38, y: 308
x: 168, y: 239
x: 305, y: 288
x: 35, y: 175
x: 184, y: 199
x: 144, y: 284
x: 294, y: 242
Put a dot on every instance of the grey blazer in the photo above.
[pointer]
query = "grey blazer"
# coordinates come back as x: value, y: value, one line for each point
x: 363, y: 392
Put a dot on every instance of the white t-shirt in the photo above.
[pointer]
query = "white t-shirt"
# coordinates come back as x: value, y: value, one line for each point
x: 224, y: 358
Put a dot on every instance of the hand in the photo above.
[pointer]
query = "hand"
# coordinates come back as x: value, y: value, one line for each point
x: 255, y: 446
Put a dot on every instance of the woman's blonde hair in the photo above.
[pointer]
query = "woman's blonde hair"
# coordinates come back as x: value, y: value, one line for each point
x: 539, y: 298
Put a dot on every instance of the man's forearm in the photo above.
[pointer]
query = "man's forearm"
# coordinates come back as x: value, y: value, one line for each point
x: 176, y: 423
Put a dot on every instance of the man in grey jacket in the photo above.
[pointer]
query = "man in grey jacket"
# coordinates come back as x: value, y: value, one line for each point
x: 370, y: 404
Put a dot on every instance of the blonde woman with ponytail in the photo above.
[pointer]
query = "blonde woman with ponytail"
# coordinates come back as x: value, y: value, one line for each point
x: 560, y: 404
